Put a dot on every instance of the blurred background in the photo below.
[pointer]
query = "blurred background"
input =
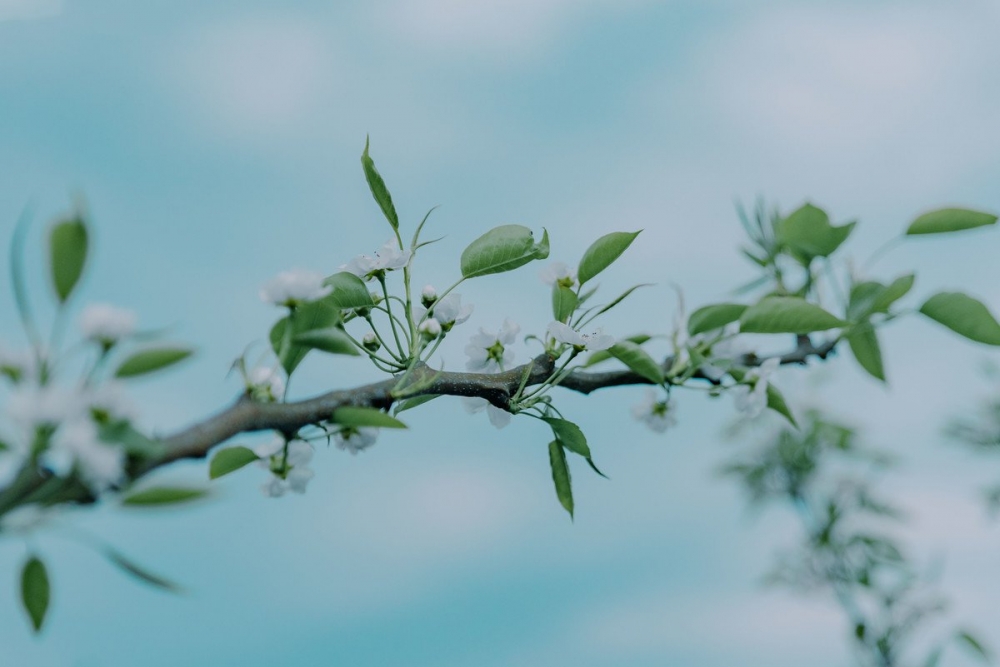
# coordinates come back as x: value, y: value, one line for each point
x: 217, y: 144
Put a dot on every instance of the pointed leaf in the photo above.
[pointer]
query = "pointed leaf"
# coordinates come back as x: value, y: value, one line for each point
x: 163, y: 495
x: 573, y: 439
x: 147, y: 361
x: 776, y: 401
x: 331, y: 339
x: 963, y: 315
x: 68, y: 243
x: 358, y: 416
x: 139, y: 572
x: 969, y: 641
x: 621, y: 297
x: 564, y: 302
x: 949, y: 220
x: 638, y: 360
x: 602, y: 253
x: 410, y: 403
x: 807, y: 233
x: 896, y: 290
x: 560, y: 476
x: 787, y: 314
x: 308, y: 317
x: 865, y: 347
x: 503, y: 248
x: 379, y: 191
x: 716, y: 316
x: 349, y: 291
x: 604, y: 355
x: 35, y: 591
x: 230, y: 460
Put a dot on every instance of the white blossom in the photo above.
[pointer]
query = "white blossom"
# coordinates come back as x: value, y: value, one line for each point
x: 77, y: 444
x: 473, y: 404
x: 658, y: 415
x: 594, y: 341
x: 489, y: 352
x: 294, y: 287
x: 386, y: 258
x: 723, y: 352
x: 266, y: 383
x: 428, y: 295
x: 449, y: 311
x: 18, y: 365
x: 750, y: 396
x: 32, y: 406
x: 354, y: 440
x: 26, y: 519
x: 558, y: 273
x: 107, y: 324
x: 430, y: 329
x: 289, y: 472
x: 111, y: 400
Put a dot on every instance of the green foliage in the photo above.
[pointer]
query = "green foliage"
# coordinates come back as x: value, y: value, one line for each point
x: 501, y: 249
x: 135, y: 570
x: 787, y: 314
x: 35, y: 591
x: 316, y: 315
x: 865, y: 346
x: 602, y: 253
x: 560, y: 476
x: 715, y: 316
x: 638, y: 360
x: 379, y: 190
x: 163, y: 495
x: 807, y: 233
x: 947, y: 220
x: 572, y: 438
x: 870, y: 297
x: 564, y: 302
x: 148, y: 361
x: 963, y: 315
x: 230, y: 460
x: 776, y: 402
x: 359, y: 416
x: 331, y: 339
x: 604, y: 355
x: 68, y: 241
x: 349, y: 292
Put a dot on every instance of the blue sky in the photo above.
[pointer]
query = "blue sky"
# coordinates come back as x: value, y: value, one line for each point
x: 218, y: 143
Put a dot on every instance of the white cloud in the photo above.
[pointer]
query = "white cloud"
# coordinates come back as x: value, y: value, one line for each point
x: 26, y: 10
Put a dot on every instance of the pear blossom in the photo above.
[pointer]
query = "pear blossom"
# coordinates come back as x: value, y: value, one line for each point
x: 289, y: 471
x: 498, y: 417
x: 489, y: 352
x: 750, y: 396
x: 558, y: 273
x: 265, y: 383
x: 294, y: 287
x: 107, y: 324
x: 723, y: 352
x: 33, y: 406
x: 76, y: 444
x: 370, y: 342
x: 355, y: 439
x: 428, y: 295
x: 658, y: 415
x: 430, y: 329
x: 594, y: 341
x: 109, y: 401
x: 449, y: 311
x: 387, y: 258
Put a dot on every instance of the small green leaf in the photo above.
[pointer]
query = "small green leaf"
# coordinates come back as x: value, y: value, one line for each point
x: 139, y: 572
x: 68, y: 242
x: 896, y: 290
x: 602, y: 253
x: 308, y: 317
x: 163, y: 495
x: 573, y: 439
x: 134, y: 442
x: 968, y: 640
x: 870, y: 297
x: 349, y: 291
x: 230, y: 460
x: 564, y: 302
x: 35, y: 591
x: 776, y: 401
x: 379, y: 191
x: 963, y: 315
x: 410, y: 403
x: 638, y: 360
x: 147, y: 361
x: 560, y: 476
x: 949, y: 220
x: 358, y: 416
x: 716, y: 316
x: 865, y: 347
x: 331, y: 339
x: 604, y: 355
x: 807, y: 233
x: 621, y: 297
x: 787, y: 314
x: 501, y: 249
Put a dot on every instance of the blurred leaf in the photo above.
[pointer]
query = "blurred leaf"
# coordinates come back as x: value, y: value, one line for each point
x: 776, y: 401
x: 787, y: 314
x: 35, y: 591
x: 139, y: 572
x: 949, y: 220
x: 68, y: 243
x: 230, y: 460
x: 410, y: 403
x: 716, y: 316
x: 331, y: 339
x: 963, y: 315
x: 163, y: 495
x: 147, y: 361
x: 971, y: 642
x: 637, y: 360
x: 807, y: 233
x: 864, y: 345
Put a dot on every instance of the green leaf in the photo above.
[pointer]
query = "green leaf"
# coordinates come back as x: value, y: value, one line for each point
x: 716, y: 316
x: 604, y: 355
x: 638, y: 360
x: 163, y: 495
x: 949, y: 220
x: 139, y: 572
x: 349, y: 291
x: 896, y: 290
x: 410, y: 403
x: 503, y: 248
x: 621, y: 297
x: 787, y: 314
x: 357, y: 416
x: 331, y: 339
x: 865, y: 347
x: 776, y: 401
x: 968, y: 640
x: 560, y: 476
x: 602, y: 253
x: 35, y: 591
x: 963, y: 315
x: 68, y: 242
x: 147, y: 361
x: 807, y: 233
x: 870, y: 297
x: 230, y: 460
x: 573, y: 439
x: 564, y: 302
x: 308, y: 317
x: 134, y: 442
x: 379, y: 191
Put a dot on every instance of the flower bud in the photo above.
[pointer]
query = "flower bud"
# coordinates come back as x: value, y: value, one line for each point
x: 370, y: 342
x: 430, y: 329
x: 428, y: 296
